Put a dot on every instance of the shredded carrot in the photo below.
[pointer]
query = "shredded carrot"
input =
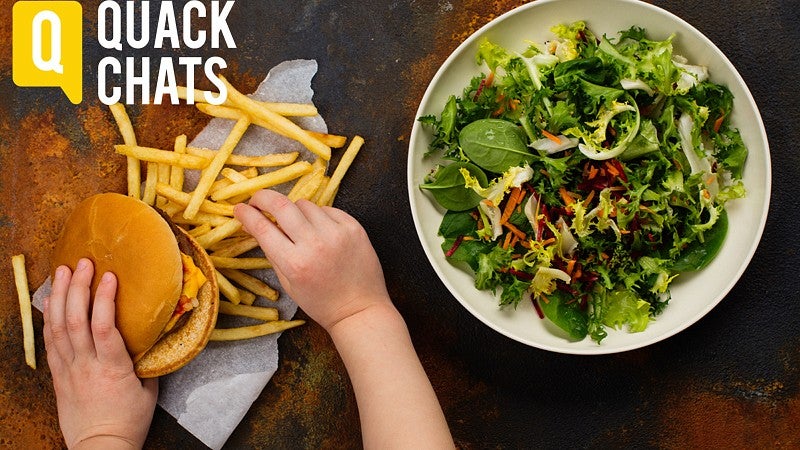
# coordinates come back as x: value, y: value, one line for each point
x: 718, y: 123
x: 546, y: 300
x: 490, y: 79
x: 577, y: 273
x: 513, y: 200
x: 710, y: 179
x: 611, y: 169
x: 513, y: 104
x: 565, y: 195
x: 507, y: 240
x: 592, y: 172
x: 514, y: 230
x: 547, y: 242
x: 589, y: 198
x: 514, y: 240
x: 570, y: 266
x: 551, y: 136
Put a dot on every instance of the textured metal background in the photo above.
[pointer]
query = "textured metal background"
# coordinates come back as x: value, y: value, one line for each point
x: 730, y: 380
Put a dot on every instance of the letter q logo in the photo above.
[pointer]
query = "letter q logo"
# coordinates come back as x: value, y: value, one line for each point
x: 48, y: 46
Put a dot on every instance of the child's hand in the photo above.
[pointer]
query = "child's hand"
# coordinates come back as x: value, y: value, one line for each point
x: 101, y: 402
x: 322, y: 256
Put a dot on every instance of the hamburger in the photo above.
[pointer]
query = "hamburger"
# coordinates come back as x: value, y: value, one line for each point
x: 167, y: 296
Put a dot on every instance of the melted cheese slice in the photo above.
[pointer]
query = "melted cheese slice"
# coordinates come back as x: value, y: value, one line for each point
x: 193, y: 280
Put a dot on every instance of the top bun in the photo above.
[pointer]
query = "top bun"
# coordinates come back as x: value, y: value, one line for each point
x: 127, y: 237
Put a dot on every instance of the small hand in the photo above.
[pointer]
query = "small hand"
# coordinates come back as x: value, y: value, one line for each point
x: 322, y: 255
x: 101, y: 402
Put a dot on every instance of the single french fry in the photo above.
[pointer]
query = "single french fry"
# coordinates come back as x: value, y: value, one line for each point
x: 307, y: 186
x: 129, y: 138
x: 276, y: 122
x: 264, y: 313
x: 195, y: 95
x: 219, y: 233
x: 315, y: 198
x: 24, y: 297
x: 264, y: 181
x: 344, y: 163
x: 201, y: 229
x: 163, y: 156
x: 282, y: 108
x: 232, y: 240
x: 183, y: 198
x: 270, y: 160
x: 246, y: 297
x: 172, y: 208
x: 212, y: 171
x: 228, y: 262
x: 176, y: 175
x: 251, y: 283
x: 253, y: 331
x: 236, y: 248
x: 150, y: 182
x: 164, y: 172
x: 227, y: 288
x: 232, y: 175
x: 331, y: 140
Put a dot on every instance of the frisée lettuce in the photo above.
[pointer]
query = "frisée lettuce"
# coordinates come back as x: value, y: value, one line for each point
x: 585, y: 174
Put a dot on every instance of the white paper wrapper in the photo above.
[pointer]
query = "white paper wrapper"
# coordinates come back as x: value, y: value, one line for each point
x: 211, y: 394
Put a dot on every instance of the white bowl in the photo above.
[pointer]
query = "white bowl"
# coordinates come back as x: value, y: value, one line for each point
x: 693, y: 295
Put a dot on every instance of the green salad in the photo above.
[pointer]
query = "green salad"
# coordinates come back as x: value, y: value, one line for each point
x: 585, y: 174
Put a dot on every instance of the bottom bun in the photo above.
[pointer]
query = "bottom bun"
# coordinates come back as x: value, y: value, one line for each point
x: 177, y: 348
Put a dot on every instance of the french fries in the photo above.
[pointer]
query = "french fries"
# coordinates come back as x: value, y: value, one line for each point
x: 212, y: 171
x: 226, y: 178
x: 267, y: 180
x: 154, y: 155
x: 129, y: 137
x: 24, y: 296
x: 252, y: 331
x: 222, y: 262
x: 270, y: 160
x: 275, y: 122
x: 251, y: 283
x: 266, y: 314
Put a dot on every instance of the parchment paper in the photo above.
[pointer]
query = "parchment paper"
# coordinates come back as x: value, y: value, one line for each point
x: 211, y: 394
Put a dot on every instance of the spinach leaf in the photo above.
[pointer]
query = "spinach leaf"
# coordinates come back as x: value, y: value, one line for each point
x: 698, y: 254
x: 448, y: 186
x: 468, y: 251
x: 567, y: 316
x: 457, y: 223
x: 494, y: 144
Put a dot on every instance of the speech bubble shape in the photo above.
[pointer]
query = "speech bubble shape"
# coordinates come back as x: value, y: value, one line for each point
x: 48, y: 46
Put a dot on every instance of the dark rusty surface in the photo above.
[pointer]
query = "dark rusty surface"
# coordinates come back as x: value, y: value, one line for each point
x: 731, y: 380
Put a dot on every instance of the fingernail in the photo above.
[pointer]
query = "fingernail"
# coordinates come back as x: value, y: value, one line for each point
x: 61, y: 272
x: 82, y: 264
x: 108, y: 277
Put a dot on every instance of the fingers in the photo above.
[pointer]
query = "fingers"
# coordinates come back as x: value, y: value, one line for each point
x: 107, y: 340
x: 53, y: 359
x: 271, y: 239
x: 290, y: 218
x: 77, y: 309
x: 56, y: 316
